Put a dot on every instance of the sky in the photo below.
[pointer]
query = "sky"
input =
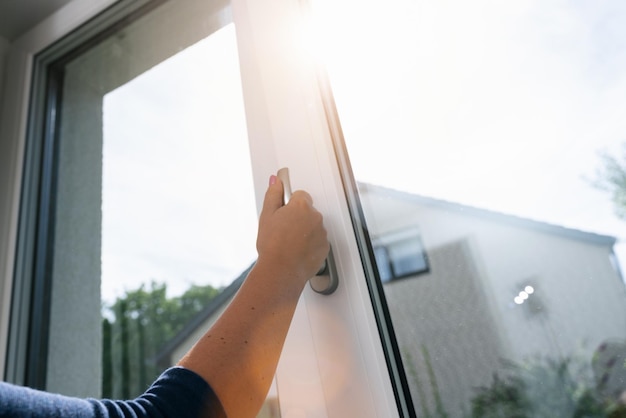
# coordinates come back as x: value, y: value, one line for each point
x: 178, y: 199
x: 495, y: 104
x: 499, y: 105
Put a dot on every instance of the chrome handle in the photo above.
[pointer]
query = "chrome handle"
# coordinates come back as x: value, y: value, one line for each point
x: 325, y: 280
x: 283, y: 175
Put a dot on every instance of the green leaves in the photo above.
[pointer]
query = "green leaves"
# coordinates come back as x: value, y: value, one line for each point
x: 136, y: 326
x: 542, y: 388
x: 612, y: 178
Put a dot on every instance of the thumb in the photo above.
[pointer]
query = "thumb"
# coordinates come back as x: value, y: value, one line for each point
x: 273, y: 197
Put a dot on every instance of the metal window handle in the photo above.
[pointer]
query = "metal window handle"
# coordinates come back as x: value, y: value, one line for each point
x: 325, y: 280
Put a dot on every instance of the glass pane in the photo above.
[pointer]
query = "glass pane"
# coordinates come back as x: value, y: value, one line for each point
x: 155, y: 205
x: 178, y: 211
x: 496, y: 129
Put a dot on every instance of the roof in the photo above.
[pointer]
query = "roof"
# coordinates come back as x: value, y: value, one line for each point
x: 211, y: 308
x: 489, y: 215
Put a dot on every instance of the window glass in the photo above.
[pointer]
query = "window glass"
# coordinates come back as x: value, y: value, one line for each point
x: 496, y: 129
x: 155, y: 206
x: 399, y: 254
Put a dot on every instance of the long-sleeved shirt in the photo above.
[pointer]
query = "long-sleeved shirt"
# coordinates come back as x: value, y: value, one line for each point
x: 178, y: 392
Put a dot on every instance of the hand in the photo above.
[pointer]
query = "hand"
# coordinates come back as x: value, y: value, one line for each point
x: 291, y: 237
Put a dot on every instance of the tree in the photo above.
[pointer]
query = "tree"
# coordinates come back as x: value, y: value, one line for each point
x: 612, y: 178
x: 136, y: 326
x: 544, y: 388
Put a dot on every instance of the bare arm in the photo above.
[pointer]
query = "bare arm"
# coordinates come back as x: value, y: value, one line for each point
x: 239, y: 354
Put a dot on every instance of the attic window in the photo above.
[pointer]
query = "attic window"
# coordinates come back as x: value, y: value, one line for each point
x: 400, y: 254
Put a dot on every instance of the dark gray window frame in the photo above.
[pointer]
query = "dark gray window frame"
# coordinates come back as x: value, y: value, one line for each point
x: 29, y: 323
x: 389, y: 342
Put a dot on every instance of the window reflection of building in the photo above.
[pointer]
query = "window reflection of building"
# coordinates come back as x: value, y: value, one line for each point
x: 609, y: 369
x: 457, y: 323
x: 400, y: 254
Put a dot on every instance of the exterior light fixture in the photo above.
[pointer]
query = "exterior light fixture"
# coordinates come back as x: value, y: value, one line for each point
x: 524, y: 295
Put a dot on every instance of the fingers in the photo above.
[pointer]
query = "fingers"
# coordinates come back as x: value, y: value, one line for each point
x: 301, y: 194
x: 293, y: 235
x: 273, y: 197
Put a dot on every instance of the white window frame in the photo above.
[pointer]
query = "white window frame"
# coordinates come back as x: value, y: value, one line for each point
x: 287, y: 116
x: 333, y: 364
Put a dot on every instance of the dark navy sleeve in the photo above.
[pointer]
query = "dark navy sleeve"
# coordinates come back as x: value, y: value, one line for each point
x: 178, y: 392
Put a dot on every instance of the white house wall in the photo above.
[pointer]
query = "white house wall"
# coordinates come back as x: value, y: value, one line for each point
x: 580, y: 287
x: 582, y: 294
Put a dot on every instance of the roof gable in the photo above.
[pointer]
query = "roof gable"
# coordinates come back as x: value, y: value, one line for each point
x: 489, y: 215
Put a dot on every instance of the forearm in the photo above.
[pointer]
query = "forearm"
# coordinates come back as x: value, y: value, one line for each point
x: 239, y: 354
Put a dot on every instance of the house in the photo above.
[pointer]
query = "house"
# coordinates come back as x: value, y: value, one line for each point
x: 469, y: 288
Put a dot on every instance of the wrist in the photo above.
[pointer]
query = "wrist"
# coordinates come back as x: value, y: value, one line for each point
x: 276, y: 272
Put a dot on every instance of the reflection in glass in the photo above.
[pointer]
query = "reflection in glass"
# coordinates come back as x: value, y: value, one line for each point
x: 483, y: 125
x: 399, y: 254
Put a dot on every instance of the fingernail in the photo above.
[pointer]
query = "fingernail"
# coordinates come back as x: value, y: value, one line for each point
x: 272, y: 179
